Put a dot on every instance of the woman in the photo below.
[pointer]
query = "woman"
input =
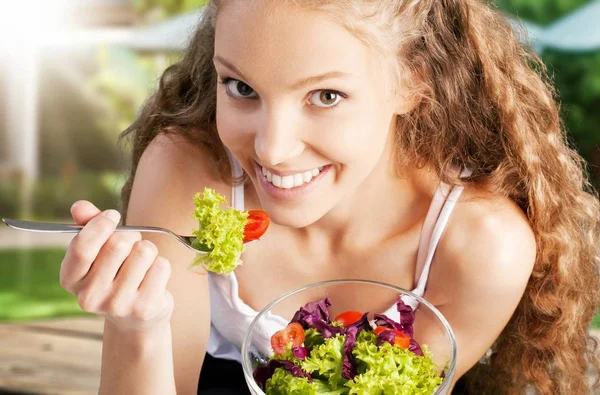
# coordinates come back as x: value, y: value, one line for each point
x: 437, y: 163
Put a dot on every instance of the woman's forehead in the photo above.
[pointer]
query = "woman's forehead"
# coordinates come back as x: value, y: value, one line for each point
x: 301, y: 42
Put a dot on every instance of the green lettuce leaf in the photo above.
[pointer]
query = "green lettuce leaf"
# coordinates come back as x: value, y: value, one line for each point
x: 284, y: 383
x: 221, y: 232
x: 392, y: 370
x: 312, y: 338
x: 325, y: 361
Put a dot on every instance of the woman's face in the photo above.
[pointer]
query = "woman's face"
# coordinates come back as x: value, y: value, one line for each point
x: 303, y: 106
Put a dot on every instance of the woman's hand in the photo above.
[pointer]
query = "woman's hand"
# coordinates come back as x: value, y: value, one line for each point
x: 116, y: 274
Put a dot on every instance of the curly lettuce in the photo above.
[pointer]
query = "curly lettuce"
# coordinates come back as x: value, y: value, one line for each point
x: 325, y: 361
x: 220, y: 233
x: 390, y: 370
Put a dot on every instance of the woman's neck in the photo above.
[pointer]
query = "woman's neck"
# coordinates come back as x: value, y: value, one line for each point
x: 383, y: 207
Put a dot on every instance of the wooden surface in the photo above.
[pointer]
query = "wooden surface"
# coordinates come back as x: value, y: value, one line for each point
x: 51, y: 357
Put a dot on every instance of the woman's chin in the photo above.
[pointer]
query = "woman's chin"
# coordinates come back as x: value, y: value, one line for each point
x: 293, y: 218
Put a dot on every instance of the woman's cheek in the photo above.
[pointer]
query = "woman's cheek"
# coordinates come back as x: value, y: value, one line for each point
x: 234, y: 128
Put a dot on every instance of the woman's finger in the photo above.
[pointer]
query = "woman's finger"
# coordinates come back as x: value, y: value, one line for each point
x: 85, y: 246
x: 137, y: 264
x: 156, y: 278
x: 111, y: 258
x: 83, y: 211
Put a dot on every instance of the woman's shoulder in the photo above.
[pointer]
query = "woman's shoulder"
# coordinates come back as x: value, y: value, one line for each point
x: 170, y: 172
x: 489, y: 242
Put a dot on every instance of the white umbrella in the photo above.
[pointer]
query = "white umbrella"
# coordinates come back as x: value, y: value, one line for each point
x: 577, y: 31
x: 529, y: 32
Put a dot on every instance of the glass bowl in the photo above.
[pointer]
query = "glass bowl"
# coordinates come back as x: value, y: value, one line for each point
x: 431, y: 328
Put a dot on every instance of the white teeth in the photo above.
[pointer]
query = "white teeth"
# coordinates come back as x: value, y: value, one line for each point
x: 292, y: 180
x: 276, y: 180
x: 307, y: 176
x: 298, y: 180
x: 287, y: 182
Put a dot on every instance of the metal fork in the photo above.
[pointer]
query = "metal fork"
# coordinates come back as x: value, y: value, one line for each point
x: 49, y: 227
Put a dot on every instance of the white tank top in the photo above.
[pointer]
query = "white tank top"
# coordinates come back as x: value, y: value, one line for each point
x: 231, y: 317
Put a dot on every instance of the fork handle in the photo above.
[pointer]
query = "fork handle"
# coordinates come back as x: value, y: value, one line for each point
x: 49, y: 227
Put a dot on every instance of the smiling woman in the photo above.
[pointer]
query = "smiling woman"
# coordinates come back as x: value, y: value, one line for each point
x: 406, y: 142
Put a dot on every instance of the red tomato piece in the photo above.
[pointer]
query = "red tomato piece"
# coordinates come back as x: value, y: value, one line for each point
x: 256, y: 225
x: 348, y: 317
x: 292, y: 334
x: 295, y: 334
x: 379, y: 329
x: 401, y: 339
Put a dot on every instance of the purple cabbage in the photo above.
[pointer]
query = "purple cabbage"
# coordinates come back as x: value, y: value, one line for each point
x: 407, y: 319
x: 300, y: 352
x: 349, y: 367
x: 415, y: 347
x: 407, y: 316
x: 385, y: 321
x: 316, y: 315
x: 386, y: 336
x: 319, y: 309
x: 264, y: 373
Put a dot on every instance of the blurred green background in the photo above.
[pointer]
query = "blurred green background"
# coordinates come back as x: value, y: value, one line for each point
x: 88, y: 89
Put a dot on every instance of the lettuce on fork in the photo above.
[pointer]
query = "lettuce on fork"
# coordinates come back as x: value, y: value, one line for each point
x: 221, y: 233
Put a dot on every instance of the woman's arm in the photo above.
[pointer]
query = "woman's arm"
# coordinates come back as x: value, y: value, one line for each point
x: 170, y: 172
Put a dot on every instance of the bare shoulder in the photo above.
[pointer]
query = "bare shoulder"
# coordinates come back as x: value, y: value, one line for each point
x: 170, y: 172
x: 488, y: 242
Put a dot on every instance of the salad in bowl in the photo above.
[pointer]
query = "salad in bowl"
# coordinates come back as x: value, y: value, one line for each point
x: 324, y: 350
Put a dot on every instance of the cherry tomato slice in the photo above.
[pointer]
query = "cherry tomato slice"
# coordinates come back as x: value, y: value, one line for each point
x: 292, y: 334
x: 256, y: 225
x: 401, y: 339
x: 348, y: 317
x: 379, y: 329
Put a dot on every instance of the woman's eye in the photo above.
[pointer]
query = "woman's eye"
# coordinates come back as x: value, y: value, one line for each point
x: 238, y: 89
x: 325, y: 99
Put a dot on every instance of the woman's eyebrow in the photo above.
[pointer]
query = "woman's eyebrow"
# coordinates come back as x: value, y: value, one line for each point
x: 297, y: 85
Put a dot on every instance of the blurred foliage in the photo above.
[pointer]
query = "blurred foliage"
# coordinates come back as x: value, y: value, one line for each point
x: 576, y: 76
x: 160, y: 9
x: 123, y: 81
x: 541, y: 12
x: 53, y: 195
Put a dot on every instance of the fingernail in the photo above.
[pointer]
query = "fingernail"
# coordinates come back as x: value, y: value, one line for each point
x: 114, y: 215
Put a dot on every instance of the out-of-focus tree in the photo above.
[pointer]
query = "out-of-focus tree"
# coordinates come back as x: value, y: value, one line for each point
x: 541, y: 12
x: 576, y: 76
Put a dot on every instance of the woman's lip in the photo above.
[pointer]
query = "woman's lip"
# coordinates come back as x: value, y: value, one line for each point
x: 292, y: 193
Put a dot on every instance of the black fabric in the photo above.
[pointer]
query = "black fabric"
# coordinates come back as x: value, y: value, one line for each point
x: 221, y: 377
x: 224, y: 377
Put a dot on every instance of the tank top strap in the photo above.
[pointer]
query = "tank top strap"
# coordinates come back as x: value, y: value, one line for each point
x: 443, y: 203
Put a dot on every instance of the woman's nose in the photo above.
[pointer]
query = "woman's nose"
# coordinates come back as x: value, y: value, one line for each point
x: 278, y: 138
